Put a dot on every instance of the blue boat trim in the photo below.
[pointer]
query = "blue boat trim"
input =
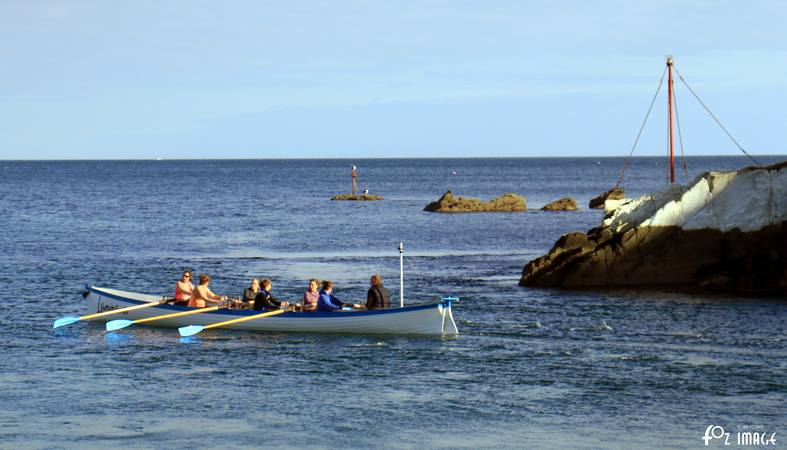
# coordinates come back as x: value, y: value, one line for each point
x: 448, y: 301
x: 315, y: 314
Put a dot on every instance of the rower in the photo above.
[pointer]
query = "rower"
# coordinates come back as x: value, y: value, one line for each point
x: 250, y: 293
x: 328, y: 302
x: 264, y: 299
x: 183, y: 289
x: 201, y: 296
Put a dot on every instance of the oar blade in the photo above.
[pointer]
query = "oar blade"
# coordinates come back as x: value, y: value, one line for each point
x: 190, y: 330
x: 118, y: 324
x: 68, y: 320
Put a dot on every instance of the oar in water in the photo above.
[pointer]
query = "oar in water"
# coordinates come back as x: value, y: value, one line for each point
x: 191, y: 330
x: 68, y: 320
x: 123, y: 323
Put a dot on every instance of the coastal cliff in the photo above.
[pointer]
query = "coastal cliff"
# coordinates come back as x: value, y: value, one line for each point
x: 723, y: 231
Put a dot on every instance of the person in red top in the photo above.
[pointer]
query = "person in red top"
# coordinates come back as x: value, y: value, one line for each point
x: 311, y: 296
x: 183, y: 289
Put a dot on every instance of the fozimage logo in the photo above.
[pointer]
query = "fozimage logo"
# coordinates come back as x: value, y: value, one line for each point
x: 753, y: 436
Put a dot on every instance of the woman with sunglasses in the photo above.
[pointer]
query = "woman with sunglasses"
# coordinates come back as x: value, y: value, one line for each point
x: 183, y: 289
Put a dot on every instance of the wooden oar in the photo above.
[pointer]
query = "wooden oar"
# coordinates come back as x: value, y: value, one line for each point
x: 194, y: 329
x: 68, y: 320
x: 118, y: 324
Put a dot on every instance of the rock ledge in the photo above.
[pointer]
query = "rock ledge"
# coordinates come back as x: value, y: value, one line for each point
x: 449, y: 203
x: 563, y: 204
x: 360, y: 198
x: 615, y: 193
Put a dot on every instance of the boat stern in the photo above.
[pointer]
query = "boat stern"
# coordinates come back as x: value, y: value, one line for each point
x: 448, y: 327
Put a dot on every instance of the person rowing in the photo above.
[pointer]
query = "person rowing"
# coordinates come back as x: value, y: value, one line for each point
x: 328, y: 302
x: 264, y: 299
x: 183, y: 289
x: 250, y: 293
x: 311, y: 296
x: 202, y: 296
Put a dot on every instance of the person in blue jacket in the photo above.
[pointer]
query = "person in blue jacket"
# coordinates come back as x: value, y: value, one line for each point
x: 328, y: 302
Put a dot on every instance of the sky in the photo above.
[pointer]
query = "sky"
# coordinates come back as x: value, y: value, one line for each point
x: 354, y: 79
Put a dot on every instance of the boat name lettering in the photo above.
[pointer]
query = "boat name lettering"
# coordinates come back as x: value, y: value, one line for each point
x: 103, y: 307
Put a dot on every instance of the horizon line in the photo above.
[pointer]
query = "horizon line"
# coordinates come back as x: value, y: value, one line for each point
x: 383, y: 158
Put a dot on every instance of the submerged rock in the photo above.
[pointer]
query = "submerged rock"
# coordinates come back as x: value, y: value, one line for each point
x: 563, y: 204
x: 615, y: 193
x: 359, y: 197
x: 450, y: 203
x: 726, y: 230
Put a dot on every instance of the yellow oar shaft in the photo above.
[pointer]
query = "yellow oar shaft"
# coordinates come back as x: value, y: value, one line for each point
x: 178, y: 314
x: 246, y: 319
x: 121, y: 310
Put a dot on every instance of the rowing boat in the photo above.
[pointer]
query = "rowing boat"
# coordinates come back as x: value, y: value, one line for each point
x: 427, y: 319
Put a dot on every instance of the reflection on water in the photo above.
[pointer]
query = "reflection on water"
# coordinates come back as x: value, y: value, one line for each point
x: 119, y: 338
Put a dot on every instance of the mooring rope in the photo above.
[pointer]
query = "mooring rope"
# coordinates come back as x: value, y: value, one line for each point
x: 714, y: 116
x: 631, y: 153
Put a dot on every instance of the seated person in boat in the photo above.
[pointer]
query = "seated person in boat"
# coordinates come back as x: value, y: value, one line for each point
x: 183, y: 289
x: 328, y: 302
x: 378, y: 296
x: 202, y: 296
x: 311, y: 296
x: 264, y: 299
x: 250, y: 293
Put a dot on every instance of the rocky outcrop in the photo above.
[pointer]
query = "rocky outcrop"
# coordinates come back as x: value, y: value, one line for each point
x: 361, y: 197
x: 724, y: 231
x: 449, y: 203
x: 563, y: 204
x: 615, y: 193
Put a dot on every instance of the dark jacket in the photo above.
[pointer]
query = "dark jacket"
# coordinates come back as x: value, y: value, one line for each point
x: 328, y: 302
x: 265, y: 300
x: 249, y: 295
x: 378, y: 297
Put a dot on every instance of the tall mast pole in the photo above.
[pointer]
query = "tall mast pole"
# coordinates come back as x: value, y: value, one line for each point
x: 671, y: 144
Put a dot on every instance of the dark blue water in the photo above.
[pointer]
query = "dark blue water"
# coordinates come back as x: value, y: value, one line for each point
x: 531, y: 367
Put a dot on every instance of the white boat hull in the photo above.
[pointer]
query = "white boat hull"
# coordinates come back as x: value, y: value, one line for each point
x: 431, y: 319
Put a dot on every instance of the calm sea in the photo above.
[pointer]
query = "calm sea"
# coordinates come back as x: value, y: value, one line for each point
x: 532, y: 368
